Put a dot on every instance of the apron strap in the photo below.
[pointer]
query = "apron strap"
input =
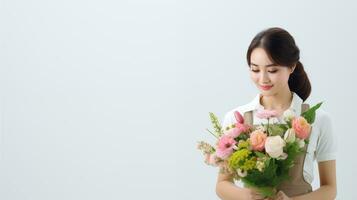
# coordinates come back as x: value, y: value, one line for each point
x: 248, y: 118
x: 304, y: 107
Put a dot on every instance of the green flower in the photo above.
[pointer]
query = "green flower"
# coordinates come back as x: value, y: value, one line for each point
x: 249, y: 164
x: 238, y: 158
x: 243, y: 144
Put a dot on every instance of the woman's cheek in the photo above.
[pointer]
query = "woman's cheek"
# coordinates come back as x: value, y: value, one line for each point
x: 282, y: 79
x: 254, y: 77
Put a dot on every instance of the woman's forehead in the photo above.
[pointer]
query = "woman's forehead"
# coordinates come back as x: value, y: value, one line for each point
x: 260, y: 58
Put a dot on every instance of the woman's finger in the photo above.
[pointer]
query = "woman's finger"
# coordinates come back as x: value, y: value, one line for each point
x: 257, y: 196
x: 279, y: 196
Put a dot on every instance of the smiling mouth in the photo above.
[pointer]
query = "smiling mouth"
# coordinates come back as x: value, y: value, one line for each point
x: 266, y: 87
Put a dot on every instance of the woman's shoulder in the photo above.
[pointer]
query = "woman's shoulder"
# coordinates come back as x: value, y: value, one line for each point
x: 323, y: 120
x: 326, y: 145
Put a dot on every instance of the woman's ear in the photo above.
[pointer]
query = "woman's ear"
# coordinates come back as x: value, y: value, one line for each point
x: 292, y: 69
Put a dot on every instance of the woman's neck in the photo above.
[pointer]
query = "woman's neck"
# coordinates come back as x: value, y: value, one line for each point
x: 280, y: 101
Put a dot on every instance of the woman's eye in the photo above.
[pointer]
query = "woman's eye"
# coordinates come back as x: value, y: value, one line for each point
x: 256, y: 71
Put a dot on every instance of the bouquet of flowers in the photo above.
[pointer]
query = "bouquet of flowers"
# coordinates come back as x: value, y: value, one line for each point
x: 260, y: 156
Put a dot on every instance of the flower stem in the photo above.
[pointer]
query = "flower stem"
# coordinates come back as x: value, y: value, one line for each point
x: 212, y: 133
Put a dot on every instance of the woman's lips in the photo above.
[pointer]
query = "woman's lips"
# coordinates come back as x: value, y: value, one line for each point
x: 266, y: 87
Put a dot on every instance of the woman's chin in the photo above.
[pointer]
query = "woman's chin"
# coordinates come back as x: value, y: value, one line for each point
x: 267, y: 92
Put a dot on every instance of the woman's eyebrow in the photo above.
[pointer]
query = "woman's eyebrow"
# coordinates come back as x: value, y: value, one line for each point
x: 270, y: 65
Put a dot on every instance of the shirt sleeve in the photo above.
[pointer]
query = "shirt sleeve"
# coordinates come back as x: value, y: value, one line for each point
x: 326, y: 144
x: 227, y: 120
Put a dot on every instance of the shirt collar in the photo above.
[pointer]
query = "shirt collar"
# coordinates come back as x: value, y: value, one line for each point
x: 295, y: 103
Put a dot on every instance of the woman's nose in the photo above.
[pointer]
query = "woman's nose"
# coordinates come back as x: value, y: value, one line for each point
x: 264, y: 78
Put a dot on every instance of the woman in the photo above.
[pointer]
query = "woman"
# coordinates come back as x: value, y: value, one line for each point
x: 273, y: 59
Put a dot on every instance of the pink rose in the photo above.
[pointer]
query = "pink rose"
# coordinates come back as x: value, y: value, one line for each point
x: 301, y: 127
x: 243, y: 127
x: 257, y: 140
x: 265, y: 114
x: 237, y: 130
x: 233, y: 132
x: 225, y: 146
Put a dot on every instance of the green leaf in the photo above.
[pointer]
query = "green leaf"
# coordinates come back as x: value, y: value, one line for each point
x: 267, y: 162
x: 284, y: 126
x: 242, y: 136
x: 259, y: 154
x: 310, y: 114
x: 275, y: 129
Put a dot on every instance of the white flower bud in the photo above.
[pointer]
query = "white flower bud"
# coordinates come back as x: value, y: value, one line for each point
x: 289, y: 115
x: 289, y: 135
x: 300, y: 142
x: 242, y: 173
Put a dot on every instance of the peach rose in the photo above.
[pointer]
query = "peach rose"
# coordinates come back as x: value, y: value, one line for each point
x: 301, y: 127
x: 257, y: 140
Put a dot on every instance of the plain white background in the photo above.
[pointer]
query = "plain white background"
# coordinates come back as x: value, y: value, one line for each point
x: 107, y: 99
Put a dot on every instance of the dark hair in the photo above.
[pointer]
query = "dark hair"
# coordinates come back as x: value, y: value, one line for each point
x: 282, y: 50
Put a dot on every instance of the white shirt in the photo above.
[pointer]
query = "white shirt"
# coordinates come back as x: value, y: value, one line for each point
x: 322, y: 144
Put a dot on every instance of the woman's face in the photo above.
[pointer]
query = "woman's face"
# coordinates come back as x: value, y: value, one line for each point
x: 268, y: 77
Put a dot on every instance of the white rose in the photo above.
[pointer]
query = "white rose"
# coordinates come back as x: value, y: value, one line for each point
x: 289, y: 115
x: 289, y: 135
x: 274, y: 146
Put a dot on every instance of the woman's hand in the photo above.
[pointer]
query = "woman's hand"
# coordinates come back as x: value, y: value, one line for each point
x: 253, y: 194
x: 281, y: 196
